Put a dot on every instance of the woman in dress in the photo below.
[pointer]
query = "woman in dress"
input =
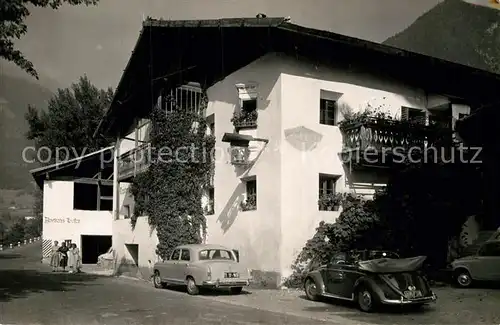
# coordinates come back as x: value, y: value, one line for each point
x: 78, y: 261
x: 64, y: 256
x: 71, y: 259
x: 55, y: 257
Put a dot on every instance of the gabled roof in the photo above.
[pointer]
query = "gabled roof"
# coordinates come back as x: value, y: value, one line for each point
x: 170, y: 53
x: 81, y: 166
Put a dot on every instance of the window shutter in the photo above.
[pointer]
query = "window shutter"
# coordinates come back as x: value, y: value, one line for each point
x: 405, y: 111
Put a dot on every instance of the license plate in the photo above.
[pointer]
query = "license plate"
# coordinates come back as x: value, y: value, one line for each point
x: 412, y: 294
x: 231, y: 275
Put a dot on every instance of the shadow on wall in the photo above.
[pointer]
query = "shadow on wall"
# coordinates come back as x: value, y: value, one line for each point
x: 21, y: 283
x: 230, y: 212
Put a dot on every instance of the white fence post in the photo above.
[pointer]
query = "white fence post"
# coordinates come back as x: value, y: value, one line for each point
x: 1, y: 247
x: 18, y: 244
x: 31, y: 240
x: 10, y: 245
x: 25, y: 242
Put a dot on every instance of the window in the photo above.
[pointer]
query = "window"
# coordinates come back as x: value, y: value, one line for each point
x: 327, y: 111
x: 327, y: 188
x: 212, y: 128
x: 215, y: 254
x: 175, y: 255
x: 211, y: 201
x: 92, y: 197
x: 185, y: 255
x: 413, y: 114
x: 327, y: 184
x: 490, y: 249
x: 251, y: 195
x: 249, y: 105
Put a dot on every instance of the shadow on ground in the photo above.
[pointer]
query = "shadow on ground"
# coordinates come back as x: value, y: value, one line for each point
x: 207, y: 292
x: 9, y: 256
x: 384, y: 315
x: 21, y: 283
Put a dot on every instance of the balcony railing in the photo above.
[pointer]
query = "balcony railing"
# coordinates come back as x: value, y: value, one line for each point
x: 134, y: 162
x: 391, y: 136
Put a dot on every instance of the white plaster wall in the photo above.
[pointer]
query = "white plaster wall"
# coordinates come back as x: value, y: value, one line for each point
x: 470, y: 231
x: 256, y: 234
x: 142, y: 234
x: 301, y: 85
x: 61, y: 222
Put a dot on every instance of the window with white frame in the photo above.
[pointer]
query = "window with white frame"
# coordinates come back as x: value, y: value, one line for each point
x: 327, y: 190
x: 328, y: 107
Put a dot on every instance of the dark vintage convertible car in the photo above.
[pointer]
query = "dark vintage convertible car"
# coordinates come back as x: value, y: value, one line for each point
x: 371, y: 279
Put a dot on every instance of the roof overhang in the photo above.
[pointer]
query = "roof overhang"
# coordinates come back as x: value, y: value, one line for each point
x: 171, y: 53
x: 83, y: 167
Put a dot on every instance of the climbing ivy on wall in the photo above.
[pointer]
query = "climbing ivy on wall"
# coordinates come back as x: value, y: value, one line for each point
x: 170, y: 192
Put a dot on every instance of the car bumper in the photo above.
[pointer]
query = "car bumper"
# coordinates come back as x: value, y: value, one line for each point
x: 402, y: 301
x: 226, y: 283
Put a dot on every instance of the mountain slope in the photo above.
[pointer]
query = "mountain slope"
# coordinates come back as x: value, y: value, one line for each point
x: 453, y: 30
x: 15, y: 96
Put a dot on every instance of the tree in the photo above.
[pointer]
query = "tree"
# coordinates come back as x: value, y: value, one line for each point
x: 170, y: 191
x: 12, y: 26
x: 72, y: 116
x: 33, y: 227
x: 17, y: 232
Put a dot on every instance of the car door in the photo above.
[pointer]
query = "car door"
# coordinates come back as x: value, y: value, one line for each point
x: 171, y: 266
x: 488, y: 265
x: 183, y: 264
x: 336, y: 276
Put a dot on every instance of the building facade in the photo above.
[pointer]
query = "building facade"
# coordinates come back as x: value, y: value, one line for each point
x: 279, y: 147
x: 76, y: 209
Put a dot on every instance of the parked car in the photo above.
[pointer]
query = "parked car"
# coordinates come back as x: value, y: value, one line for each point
x: 202, y: 266
x: 354, y: 276
x: 483, y: 266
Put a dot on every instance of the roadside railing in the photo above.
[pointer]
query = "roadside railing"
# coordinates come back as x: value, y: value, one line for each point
x: 19, y: 243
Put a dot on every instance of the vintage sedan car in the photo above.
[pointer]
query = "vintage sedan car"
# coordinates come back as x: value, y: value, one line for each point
x: 483, y: 266
x: 202, y: 266
x: 355, y: 276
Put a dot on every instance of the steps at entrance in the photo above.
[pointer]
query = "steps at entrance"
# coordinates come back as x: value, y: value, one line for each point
x: 96, y: 269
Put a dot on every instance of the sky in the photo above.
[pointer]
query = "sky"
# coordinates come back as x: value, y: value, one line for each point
x: 98, y: 41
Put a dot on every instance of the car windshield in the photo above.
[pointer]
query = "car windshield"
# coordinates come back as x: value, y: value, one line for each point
x: 216, y: 254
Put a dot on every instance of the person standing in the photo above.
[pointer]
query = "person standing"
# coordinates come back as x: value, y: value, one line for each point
x: 55, y: 257
x: 78, y: 260
x: 71, y: 259
x: 64, y: 255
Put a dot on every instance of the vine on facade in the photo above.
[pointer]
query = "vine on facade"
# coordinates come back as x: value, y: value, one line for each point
x: 170, y: 192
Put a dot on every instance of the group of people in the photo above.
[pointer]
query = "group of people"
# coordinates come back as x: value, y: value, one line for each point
x: 65, y: 256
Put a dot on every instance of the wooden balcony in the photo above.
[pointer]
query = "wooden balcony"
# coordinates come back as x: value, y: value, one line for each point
x: 381, y: 143
x: 134, y: 162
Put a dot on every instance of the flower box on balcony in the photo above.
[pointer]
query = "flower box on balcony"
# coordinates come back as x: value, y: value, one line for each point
x: 245, y: 119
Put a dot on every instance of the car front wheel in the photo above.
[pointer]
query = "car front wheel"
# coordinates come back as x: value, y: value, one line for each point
x: 311, y: 290
x: 463, y: 278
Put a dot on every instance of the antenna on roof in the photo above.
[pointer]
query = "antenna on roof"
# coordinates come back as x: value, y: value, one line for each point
x: 261, y: 15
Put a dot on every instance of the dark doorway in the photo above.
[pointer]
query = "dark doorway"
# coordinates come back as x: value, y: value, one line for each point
x: 93, y: 246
